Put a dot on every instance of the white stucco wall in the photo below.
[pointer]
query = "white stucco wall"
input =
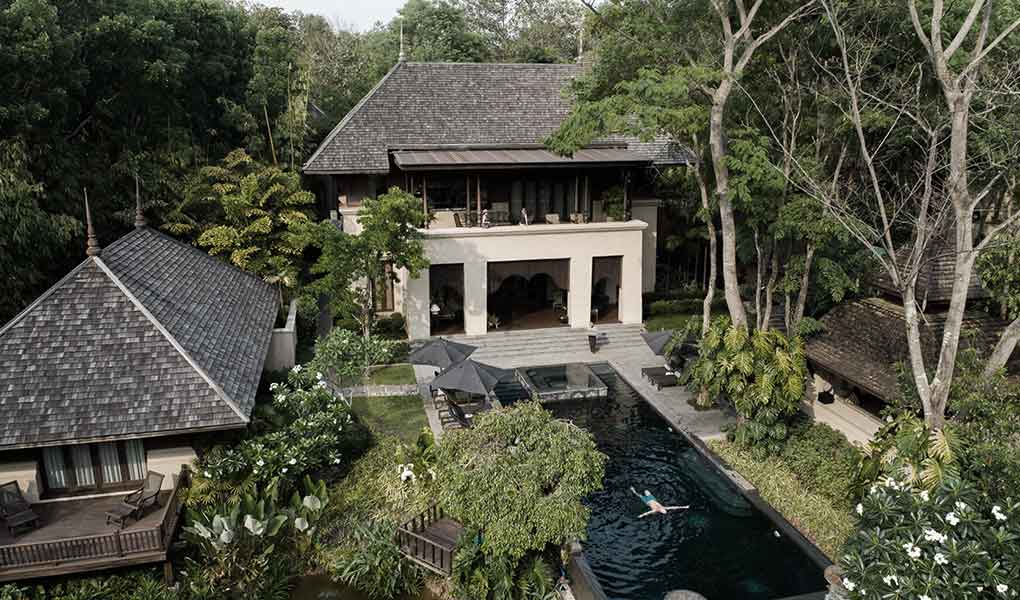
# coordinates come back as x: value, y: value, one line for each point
x: 283, y: 343
x: 168, y: 461
x: 28, y: 476
x: 476, y: 247
x: 647, y: 210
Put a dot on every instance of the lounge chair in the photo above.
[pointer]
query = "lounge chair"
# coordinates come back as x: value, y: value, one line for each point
x: 445, y: 219
x: 660, y: 377
x: 134, y: 504
x: 14, y: 509
x: 458, y: 414
x: 552, y: 219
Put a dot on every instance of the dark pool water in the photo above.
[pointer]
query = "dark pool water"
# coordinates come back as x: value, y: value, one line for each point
x: 722, y: 548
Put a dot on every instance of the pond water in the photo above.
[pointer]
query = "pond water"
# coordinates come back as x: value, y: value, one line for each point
x: 320, y: 587
x: 723, y: 547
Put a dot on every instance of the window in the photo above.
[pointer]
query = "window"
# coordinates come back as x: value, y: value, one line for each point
x: 108, y: 465
x: 384, y: 290
x: 447, y: 192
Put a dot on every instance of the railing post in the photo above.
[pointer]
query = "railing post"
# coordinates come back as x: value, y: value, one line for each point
x: 116, y: 537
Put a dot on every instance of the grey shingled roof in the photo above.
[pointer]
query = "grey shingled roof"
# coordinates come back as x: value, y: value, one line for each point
x: 935, y: 281
x: 864, y: 339
x: 419, y: 105
x: 154, y: 337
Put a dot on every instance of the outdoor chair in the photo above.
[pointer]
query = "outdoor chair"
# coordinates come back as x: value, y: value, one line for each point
x: 14, y: 509
x: 458, y: 414
x: 660, y: 377
x: 134, y: 504
x: 445, y: 219
x: 552, y: 219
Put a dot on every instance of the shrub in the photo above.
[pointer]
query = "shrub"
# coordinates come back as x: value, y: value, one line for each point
x: 316, y: 431
x: 139, y: 585
x: 905, y: 448
x: 236, y: 545
x: 813, y: 514
x: 345, y: 355
x: 762, y: 373
x: 391, y: 327
x: 479, y: 576
x: 520, y: 475
x: 950, y: 542
x: 374, y: 564
x: 823, y: 460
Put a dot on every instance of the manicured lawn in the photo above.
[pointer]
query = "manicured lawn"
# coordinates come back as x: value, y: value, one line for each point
x: 670, y: 321
x: 399, y: 416
x: 813, y: 514
x: 391, y: 375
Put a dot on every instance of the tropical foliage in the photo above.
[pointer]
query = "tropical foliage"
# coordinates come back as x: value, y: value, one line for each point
x: 375, y: 565
x: 344, y: 356
x: 237, y: 546
x: 761, y: 373
x: 255, y: 213
x: 520, y: 475
x: 947, y: 542
x: 314, y: 430
x: 138, y: 585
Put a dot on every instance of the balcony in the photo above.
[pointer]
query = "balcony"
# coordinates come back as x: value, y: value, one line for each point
x: 74, y: 537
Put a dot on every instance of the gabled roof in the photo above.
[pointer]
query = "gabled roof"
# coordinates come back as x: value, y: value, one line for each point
x: 864, y: 339
x: 418, y: 105
x: 153, y: 337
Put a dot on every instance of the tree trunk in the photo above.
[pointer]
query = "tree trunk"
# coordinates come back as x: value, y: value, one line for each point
x: 770, y: 287
x: 1004, y: 349
x: 759, y: 267
x: 805, y: 279
x: 717, y: 143
x: 706, y: 307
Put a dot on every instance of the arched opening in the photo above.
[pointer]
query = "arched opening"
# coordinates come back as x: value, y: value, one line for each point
x: 527, y: 295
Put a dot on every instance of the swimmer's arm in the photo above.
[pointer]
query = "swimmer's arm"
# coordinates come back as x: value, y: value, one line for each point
x: 645, y: 514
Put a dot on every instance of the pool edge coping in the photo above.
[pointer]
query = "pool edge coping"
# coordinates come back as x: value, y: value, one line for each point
x: 745, y: 487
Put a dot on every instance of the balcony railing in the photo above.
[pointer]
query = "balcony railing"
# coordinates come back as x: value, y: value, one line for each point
x: 147, y: 541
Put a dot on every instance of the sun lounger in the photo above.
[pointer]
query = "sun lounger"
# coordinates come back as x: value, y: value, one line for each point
x: 134, y: 504
x: 660, y: 377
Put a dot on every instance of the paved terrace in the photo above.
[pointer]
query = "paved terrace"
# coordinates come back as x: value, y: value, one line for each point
x: 626, y: 352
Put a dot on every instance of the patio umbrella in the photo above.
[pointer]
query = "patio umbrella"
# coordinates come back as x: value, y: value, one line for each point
x: 470, y: 376
x: 441, y: 353
x: 657, y: 340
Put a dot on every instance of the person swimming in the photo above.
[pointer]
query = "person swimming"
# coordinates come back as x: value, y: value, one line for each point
x: 654, y: 505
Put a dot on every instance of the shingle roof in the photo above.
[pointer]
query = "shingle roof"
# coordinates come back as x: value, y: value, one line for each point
x: 864, y: 339
x: 435, y: 104
x: 935, y: 280
x: 153, y: 337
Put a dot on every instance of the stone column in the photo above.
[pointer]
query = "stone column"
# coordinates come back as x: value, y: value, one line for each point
x: 476, y: 298
x: 630, y: 283
x: 416, y: 306
x: 579, y: 303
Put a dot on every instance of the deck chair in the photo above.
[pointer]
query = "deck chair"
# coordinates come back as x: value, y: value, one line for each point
x: 458, y: 414
x: 552, y: 219
x: 14, y: 509
x: 445, y: 219
x: 133, y: 505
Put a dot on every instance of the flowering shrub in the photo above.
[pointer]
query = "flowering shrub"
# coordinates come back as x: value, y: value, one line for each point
x: 949, y: 542
x: 317, y: 429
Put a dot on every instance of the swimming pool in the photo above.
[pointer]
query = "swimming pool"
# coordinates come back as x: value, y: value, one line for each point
x: 573, y: 381
x: 723, y: 547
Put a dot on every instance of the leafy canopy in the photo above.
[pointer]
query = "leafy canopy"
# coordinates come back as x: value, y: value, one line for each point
x: 519, y: 475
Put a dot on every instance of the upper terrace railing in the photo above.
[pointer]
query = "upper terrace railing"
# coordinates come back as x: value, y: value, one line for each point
x: 87, y: 552
x: 429, y: 539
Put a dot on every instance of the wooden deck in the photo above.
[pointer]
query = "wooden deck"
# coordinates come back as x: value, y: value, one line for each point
x: 74, y: 537
x: 430, y: 540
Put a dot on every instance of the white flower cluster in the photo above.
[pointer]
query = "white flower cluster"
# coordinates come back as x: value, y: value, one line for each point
x: 998, y: 514
x: 930, y: 535
x: 912, y: 550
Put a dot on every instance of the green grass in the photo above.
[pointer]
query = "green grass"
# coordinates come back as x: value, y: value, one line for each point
x: 391, y: 375
x: 670, y: 321
x: 399, y: 416
x: 812, y: 513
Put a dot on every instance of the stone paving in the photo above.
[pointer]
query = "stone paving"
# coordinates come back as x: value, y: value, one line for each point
x: 375, y: 391
x: 626, y: 352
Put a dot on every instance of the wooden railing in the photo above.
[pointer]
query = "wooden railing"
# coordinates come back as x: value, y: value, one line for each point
x: 422, y: 550
x: 113, y: 545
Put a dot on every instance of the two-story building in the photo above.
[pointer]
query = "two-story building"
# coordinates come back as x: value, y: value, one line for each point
x: 519, y: 236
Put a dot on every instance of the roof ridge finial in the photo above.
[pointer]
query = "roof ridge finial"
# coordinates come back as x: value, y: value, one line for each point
x: 139, y: 214
x: 92, y: 244
x: 402, y: 56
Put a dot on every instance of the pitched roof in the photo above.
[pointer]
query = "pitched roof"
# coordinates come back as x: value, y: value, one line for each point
x: 864, y: 339
x: 153, y: 337
x: 419, y: 105
x: 935, y: 280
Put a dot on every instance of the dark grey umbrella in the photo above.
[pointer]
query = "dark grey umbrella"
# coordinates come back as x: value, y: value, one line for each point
x: 471, y: 377
x: 657, y: 340
x: 441, y: 353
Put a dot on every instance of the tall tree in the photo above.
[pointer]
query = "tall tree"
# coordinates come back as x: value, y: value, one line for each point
x: 932, y: 104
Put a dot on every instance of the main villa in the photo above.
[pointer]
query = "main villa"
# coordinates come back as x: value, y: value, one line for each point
x: 519, y: 236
